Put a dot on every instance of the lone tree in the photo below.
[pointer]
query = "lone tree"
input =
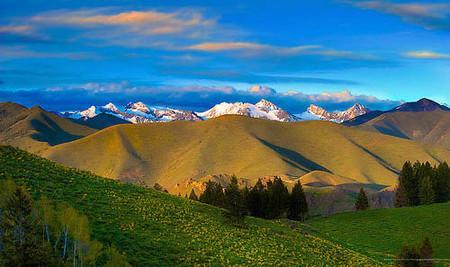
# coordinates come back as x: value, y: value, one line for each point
x: 408, y: 257
x: 362, y: 203
x: 298, y: 207
x: 193, y: 196
x: 426, y: 253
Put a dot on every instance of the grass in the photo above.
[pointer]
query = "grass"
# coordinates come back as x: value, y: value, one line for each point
x: 157, y: 229
x: 381, y: 233
x: 172, y: 153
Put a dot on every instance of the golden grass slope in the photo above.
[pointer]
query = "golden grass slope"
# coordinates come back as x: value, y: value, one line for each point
x: 35, y: 129
x: 171, y: 153
x: 431, y: 127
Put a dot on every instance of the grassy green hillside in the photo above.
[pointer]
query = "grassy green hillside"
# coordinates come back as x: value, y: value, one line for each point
x: 35, y: 129
x: 172, y: 153
x: 154, y: 228
x: 427, y: 127
x: 381, y: 233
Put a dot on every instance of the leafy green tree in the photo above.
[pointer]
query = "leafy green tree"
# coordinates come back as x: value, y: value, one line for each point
x: 233, y: 198
x: 193, y: 196
x: 298, y: 207
x: 362, y: 202
x: 426, y: 191
x: 426, y: 253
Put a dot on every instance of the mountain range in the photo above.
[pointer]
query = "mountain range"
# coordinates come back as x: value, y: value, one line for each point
x: 369, y: 149
x: 138, y: 112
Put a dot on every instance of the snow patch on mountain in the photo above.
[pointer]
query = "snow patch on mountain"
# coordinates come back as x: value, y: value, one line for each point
x: 315, y: 112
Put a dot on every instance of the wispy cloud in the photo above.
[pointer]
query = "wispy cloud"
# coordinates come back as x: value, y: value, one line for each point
x: 16, y: 29
x: 150, y: 22
x: 432, y: 16
x: 424, y: 54
x: 256, y: 49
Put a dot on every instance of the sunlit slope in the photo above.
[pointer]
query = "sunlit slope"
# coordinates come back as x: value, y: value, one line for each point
x: 35, y: 129
x: 158, y: 229
x: 381, y: 233
x: 428, y: 127
x: 170, y: 153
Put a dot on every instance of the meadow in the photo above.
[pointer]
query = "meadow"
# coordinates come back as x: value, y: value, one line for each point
x: 154, y: 228
x: 380, y: 233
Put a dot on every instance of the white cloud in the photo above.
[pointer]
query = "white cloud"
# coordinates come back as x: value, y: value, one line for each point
x: 424, y: 54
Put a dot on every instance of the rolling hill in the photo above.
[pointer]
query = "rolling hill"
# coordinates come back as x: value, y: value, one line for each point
x: 432, y: 127
x: 35, y: 129
x: 424, y: 121
x: 157, y: 229
x: 172, y: 153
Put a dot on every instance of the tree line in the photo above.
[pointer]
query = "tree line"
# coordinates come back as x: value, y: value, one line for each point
x: 265, y: 200
x: 45, y: 234
x: 421, y: 184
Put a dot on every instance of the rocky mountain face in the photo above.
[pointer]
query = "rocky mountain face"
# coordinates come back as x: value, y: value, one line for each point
x: 138, y: 112
x: 338, y: 116
x: 134, y: 112
x: 263, y: 110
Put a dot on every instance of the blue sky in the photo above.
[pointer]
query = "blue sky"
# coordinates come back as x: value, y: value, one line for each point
x: 193, y: 54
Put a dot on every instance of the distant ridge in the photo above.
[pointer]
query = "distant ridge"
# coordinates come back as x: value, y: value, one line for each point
x: 424, y: 121
x: 35, y: 129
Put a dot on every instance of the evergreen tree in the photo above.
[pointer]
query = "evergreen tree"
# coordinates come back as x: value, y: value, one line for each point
x: 298, y: 207
x: 213, y: 194
x: 255, y: 200
x: 442, y: 183
x: 362, y: 202
x: 408, y: 257
x: 426, y: 253
x: 426, y: 191
x: 278, y: 198
x: 193, y: 196
x: 21, y: 246
x: 244, y: 199
x: 233, y: 198
x: 405, y: 192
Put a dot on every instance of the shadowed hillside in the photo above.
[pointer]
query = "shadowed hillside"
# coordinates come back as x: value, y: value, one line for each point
x: 172, y: 153
x: 101, y: 121
x: 35, y: 129
x: 431, y: 127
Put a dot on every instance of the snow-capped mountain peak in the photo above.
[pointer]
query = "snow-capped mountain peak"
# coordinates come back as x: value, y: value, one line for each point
x: 137, y: 106
x: 110, y: 107
x: 337, y: 116
x: 266, y: 105
x: 88, y: 113
x: 263, y: 109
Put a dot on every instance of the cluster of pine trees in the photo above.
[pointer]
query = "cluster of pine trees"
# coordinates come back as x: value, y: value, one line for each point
x: 269, y: 201
x: 421, y: 184
x: 416, y: 257
x: 45, y: 234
